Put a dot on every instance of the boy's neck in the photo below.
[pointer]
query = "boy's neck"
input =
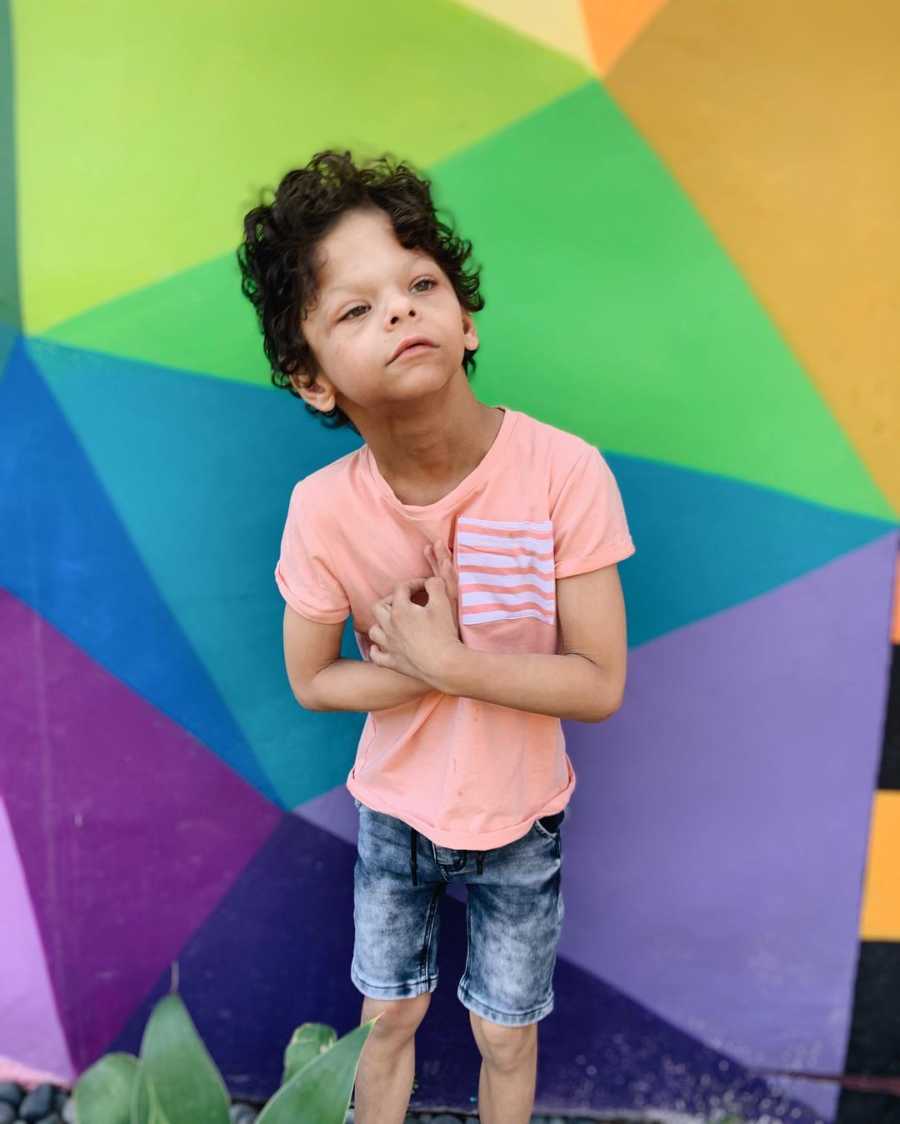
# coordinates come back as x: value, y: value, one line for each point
x: 422, y: 459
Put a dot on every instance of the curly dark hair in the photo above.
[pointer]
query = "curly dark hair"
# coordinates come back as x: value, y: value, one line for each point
x: 277, y: 255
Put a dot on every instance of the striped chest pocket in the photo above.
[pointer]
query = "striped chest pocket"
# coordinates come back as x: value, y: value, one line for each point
x: 505, y: 570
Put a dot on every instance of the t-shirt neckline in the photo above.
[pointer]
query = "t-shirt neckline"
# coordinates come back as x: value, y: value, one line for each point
x: 462, y: 489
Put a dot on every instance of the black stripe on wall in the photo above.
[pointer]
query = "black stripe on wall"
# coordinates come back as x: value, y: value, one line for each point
x: 889, y: 775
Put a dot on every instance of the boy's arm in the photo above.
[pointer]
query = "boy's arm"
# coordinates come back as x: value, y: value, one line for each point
x: 585, y: 682
x: 360, y: 685
x: 321, y: 680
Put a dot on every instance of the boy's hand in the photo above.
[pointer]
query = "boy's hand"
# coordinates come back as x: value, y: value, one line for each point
x: 416, y: 640
x: 441, y: 561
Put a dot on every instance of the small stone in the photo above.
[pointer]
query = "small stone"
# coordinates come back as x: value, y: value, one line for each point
x: 242, y: 1114
x: 68, y: 1112
x: 7, y: 1113
x: 11, y: 1092
x: 38, y: 1104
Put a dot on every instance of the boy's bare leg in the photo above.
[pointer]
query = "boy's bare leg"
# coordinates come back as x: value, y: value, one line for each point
x: 387, y: 1064
x: 508, y: 1078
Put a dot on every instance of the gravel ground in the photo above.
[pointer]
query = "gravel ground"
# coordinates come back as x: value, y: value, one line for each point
x: 50, y: 1104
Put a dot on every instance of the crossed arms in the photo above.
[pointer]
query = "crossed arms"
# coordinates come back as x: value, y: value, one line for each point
x: 586, y: 682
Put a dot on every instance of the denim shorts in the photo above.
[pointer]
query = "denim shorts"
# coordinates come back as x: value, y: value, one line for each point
x: 514, y: 914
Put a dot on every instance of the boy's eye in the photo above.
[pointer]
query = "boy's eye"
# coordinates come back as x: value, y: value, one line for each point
x: 347, y: 314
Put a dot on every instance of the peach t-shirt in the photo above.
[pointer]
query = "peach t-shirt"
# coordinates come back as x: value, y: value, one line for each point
x: 541, y: 505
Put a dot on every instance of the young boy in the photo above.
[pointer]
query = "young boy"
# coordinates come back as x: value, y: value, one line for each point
x: 476, y: 549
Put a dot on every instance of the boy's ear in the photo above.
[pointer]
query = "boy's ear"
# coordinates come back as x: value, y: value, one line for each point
x: 317, y: 389
x: 470, y: 332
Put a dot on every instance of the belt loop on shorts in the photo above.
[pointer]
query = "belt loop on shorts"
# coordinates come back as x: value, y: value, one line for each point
x: 480, y: 863
x: 413, y: 858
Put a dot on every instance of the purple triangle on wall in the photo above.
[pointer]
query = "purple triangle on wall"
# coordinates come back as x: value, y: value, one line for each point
x: 130, y: 831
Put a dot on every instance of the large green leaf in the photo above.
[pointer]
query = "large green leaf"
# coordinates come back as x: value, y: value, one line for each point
x: 307, y: 1042
x: 319, y: 1093
x: 188, y: 1086
x: 103, y: 1092
x: 144, y: 1104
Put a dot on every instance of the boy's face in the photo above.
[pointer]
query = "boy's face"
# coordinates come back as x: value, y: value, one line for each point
x: 373, y: 293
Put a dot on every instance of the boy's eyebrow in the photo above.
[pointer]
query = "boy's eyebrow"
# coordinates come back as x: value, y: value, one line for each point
x: 332, y: 290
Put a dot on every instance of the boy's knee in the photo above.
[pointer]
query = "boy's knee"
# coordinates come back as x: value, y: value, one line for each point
x: 398, y: 1016
x: 504, y: 1047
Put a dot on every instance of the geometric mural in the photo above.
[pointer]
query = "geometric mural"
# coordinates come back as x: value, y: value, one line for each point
x: 675, y: 270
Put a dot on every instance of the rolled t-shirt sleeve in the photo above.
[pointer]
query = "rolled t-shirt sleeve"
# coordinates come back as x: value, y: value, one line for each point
x: 590, y: 528
x: 303, y: 573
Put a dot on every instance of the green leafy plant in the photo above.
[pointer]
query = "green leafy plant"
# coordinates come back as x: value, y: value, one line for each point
x: 175, y: 1081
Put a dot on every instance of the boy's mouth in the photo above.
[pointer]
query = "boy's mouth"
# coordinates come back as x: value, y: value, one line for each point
x: 411, y: 346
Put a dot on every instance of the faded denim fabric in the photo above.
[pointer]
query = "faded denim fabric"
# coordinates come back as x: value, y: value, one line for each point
x: 514, y: 917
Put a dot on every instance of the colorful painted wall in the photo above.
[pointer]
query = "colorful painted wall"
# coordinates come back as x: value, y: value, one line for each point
x: 686, y: 217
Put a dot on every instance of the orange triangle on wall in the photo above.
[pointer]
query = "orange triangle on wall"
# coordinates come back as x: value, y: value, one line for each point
x: 613, y: 25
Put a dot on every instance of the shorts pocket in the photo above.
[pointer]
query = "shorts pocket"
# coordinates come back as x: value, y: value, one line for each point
x: 549, y: 825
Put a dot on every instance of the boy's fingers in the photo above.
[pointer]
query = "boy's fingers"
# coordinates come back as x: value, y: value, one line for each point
x: 404, y: 589
x: 376, y: 634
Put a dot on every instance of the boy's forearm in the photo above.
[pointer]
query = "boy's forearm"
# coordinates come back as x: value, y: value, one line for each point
x: 564, y: 686
x: 361, y: 685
